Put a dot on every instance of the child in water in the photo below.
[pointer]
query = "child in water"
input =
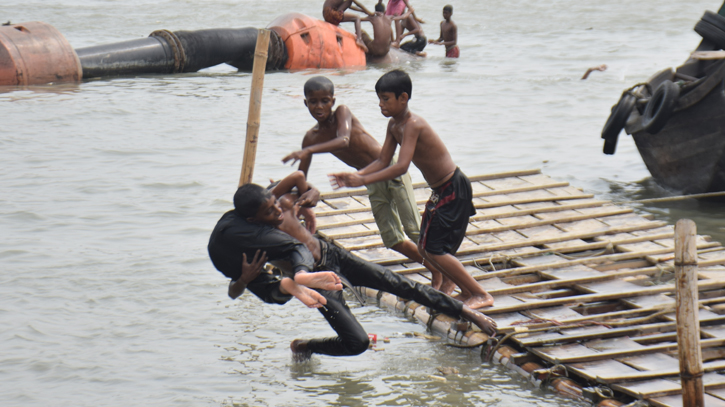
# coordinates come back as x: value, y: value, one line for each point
x: 449, y: 34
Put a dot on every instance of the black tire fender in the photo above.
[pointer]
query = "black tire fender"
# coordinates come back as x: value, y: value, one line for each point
x: 711, y: 32
x: 616, y: 121
x: 660, y: 107
x: 715, y: 19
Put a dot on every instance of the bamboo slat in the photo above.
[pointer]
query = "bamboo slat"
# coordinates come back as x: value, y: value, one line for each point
x: 553, y: 255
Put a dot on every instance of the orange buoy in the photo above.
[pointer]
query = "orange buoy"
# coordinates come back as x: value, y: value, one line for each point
x: 313, y: 43
x: 35, y: 53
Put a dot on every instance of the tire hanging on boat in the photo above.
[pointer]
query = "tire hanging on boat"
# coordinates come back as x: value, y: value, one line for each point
x: 660, y: 107
x: 616, y: 121
x: 712, y: 28
x: 715, y: 19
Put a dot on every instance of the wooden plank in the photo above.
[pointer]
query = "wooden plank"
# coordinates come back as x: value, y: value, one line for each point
x: 618, y: 377
x: 512, y: 222
x: 711, y: 381
x: 558, y: 262
x: 508, y: 211
x: 707, y: 343
x: 591, y: 370
x: 599, y: 277
x: 675, y: 400
x: 562, y: 238
x: 601, y: 332
x: 667, y: 288
x: 527, y: 200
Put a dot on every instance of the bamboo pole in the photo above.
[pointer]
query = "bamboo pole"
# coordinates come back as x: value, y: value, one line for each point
x: 255, y: 107
x: 688, y: 328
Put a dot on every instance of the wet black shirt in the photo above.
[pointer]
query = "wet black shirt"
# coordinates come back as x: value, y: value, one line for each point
x: 233, y: 236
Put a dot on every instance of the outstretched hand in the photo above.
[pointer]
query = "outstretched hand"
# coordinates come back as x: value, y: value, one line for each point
x: 345, y: 179
x: 295, y: 156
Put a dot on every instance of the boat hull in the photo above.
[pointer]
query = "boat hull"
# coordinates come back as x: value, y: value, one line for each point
x: 687, y: 155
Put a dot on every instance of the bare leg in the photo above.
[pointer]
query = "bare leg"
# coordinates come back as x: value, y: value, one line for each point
x: 472, y: 294
x: 358, y: 29
x: 438, y: 280
x: 487, y: 325
x: 324, y: 280
x: 398, y: 31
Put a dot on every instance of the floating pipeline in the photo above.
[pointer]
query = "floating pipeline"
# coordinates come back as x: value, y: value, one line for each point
x: 35, y: 53
x: 167, y: 52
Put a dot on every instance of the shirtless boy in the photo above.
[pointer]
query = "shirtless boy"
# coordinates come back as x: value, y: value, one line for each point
x: 393, y: 201
x: 380, y: 45
x: 397, y: 8
x: 449, y: 34
x: 450, y: 205
x: 416, y: 45
x: 333, y: 11
x: 352, y: 339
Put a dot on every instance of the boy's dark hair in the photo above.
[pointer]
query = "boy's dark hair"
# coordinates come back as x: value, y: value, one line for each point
x: 448, y: 8
x: 395, y: 81
x: 248, y: 199
x: 380, y: 7
x: 319, y: 83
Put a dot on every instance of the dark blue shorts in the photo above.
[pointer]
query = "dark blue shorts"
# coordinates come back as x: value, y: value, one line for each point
x: 446, y: 215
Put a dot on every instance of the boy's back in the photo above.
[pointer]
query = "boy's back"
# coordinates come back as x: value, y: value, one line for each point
x: 383, y: 34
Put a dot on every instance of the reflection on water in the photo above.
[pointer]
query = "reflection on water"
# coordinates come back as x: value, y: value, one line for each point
x: 708, y: 214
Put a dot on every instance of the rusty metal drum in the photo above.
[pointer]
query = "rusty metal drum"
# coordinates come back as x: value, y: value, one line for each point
x: 35, y: 53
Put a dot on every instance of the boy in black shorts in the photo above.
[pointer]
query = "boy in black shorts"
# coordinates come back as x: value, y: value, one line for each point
x: 447, y: 212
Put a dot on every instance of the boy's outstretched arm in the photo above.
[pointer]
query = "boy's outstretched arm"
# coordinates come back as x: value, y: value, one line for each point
x: 440, y: 37
x: 378, y: 170
x: 341, y: 141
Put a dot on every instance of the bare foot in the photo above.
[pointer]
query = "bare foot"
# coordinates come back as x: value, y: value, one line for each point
x: 324, y: 280
x: 310, y: 298
x: 300, y: 353
x: 487, y: 325
x: 360, y: 43
x: 447, y: 286
x: 477, y: 301
x: 421, y: 54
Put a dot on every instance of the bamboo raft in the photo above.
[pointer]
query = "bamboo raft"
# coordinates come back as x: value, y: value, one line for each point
x: 584, y: 297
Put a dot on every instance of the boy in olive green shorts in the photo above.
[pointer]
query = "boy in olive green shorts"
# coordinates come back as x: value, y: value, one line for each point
x: 340, y: 133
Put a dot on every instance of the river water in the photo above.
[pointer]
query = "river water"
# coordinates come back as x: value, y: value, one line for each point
x: 110, y: 189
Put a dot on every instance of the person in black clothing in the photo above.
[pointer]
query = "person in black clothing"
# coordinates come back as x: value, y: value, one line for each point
x: 276, y: 230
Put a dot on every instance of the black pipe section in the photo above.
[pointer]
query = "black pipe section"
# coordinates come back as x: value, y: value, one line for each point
x: 181, y: 51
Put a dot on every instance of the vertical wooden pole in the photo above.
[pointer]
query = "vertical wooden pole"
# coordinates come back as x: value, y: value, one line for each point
x: 688, y: 323
x: 255, y: 107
